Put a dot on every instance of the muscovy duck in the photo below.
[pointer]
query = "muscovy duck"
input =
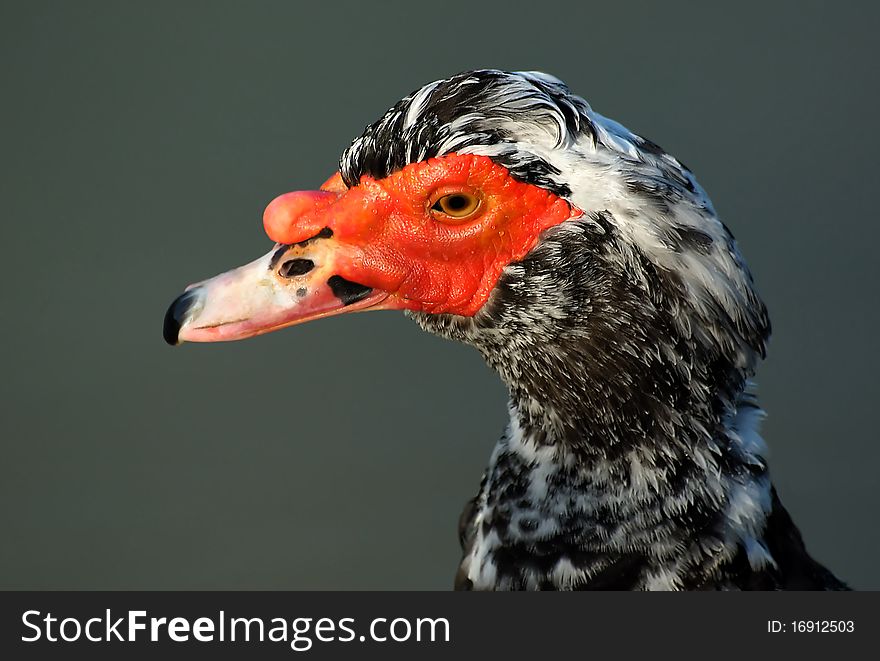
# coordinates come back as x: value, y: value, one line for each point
x: 590, y: 270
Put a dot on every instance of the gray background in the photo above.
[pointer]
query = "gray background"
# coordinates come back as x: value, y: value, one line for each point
x: 140, y: 143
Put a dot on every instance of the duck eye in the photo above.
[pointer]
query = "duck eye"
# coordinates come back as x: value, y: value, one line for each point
x: 456, y: 205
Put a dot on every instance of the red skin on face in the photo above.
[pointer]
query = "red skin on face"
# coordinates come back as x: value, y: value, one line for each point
x: 391, y: 240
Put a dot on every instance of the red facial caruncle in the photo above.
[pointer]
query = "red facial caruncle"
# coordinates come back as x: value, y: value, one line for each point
x: 432, y: 237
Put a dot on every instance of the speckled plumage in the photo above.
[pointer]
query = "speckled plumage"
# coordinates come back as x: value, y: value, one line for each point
x: 626, y: 338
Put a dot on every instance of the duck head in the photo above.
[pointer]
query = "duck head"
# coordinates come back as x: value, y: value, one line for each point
x: 496, y: 208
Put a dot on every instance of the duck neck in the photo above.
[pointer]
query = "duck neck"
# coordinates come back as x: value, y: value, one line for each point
x: 594, y: 490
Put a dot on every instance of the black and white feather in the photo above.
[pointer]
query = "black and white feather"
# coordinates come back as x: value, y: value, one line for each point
x: 626, y: 338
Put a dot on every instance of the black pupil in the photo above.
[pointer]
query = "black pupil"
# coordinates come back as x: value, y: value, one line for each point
x: 456, y: 202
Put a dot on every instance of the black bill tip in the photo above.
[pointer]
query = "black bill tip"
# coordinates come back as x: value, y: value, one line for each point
x: 176, y: 315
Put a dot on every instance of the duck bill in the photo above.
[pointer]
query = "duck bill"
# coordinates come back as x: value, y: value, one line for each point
x: 280, y: 289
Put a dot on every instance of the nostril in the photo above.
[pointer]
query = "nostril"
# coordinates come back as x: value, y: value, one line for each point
x: 294, y: 267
